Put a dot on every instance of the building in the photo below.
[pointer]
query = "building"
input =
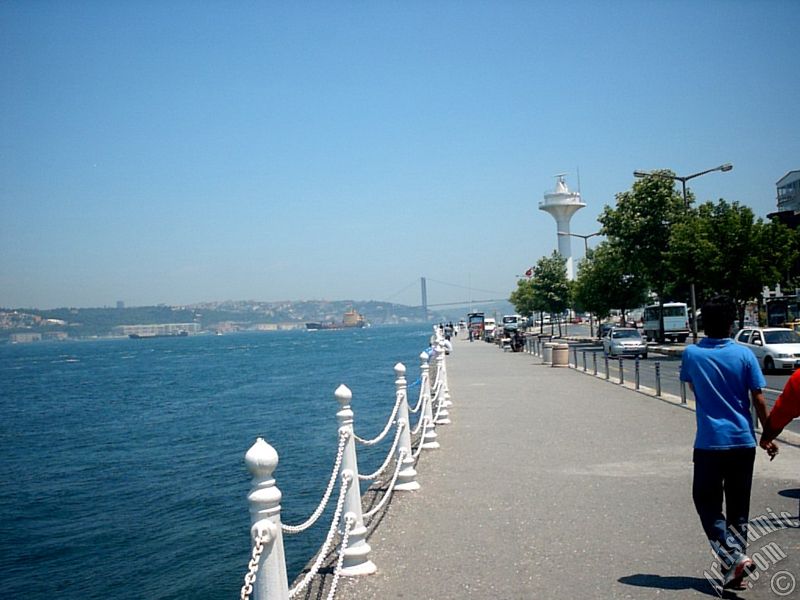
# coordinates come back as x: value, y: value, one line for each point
x: 788, y: 196
x: 25, y: 338
x: 788, y: 188
x: 157, y: 329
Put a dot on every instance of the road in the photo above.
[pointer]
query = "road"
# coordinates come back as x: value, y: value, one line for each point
x: 669, y: 364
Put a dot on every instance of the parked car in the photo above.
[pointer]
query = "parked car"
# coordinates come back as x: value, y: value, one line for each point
x: 624, y: 341
x: 774, y: 347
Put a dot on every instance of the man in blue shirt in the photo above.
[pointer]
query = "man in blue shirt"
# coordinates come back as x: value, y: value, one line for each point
x: 724, y: 377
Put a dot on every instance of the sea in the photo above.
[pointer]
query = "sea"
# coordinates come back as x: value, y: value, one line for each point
x: 122, y: 466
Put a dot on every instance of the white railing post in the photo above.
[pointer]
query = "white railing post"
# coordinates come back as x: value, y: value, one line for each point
x: 356, y: 556
x: 441, y: 399
x: 445, y: 387
x: 429, y: 429
x: 407, y: 476
x: 265, y: 517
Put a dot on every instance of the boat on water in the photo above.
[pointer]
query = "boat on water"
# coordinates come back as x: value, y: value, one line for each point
x: 351, y: 319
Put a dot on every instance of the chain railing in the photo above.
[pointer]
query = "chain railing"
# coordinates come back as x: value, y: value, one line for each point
x: 389, y: 456
x: 252, y: 567
x: 347, y: 479
x: 267, y: 529
x: 292, y: 529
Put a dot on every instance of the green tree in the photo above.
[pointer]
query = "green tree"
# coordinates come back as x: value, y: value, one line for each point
x: 605, y: 282
x: 524, y: 298
x: 551, y: 287
x: 640, y: 228
x: 725, y: 249
x: 547, y: 291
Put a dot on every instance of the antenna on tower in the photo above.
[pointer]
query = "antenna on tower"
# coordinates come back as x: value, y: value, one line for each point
x: 578, y: 172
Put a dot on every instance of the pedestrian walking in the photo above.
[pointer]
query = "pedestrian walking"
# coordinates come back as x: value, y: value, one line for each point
x: 787, y: 407
x: 724, y: 377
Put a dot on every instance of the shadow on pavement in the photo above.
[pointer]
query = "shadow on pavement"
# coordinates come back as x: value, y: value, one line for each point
x: 675, y: 583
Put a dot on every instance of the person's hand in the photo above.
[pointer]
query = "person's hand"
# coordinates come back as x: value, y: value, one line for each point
x: 770, y: 447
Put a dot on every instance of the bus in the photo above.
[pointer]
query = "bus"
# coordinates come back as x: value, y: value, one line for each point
x: 676, y: 322
x: 475, y: 323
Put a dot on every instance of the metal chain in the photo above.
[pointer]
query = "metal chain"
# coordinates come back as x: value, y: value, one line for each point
x: 386, y: 462
x: 439, y: 407
x: 421, y: 395
x: 419, y: 425
x: 349, y: 521
x: 401, y: 455
x: 438, y: 387
x: 418, y: 451
x: 252, y: 568
x: 292, y: 529
x: 323, y: 552
x: 386, y: 429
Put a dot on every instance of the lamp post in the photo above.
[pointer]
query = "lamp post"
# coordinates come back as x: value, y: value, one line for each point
x: 585, y: 252
x: 585, y: 239
x: 723, y: 168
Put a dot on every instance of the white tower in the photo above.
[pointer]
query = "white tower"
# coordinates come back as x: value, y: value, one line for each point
x: 562, y: 204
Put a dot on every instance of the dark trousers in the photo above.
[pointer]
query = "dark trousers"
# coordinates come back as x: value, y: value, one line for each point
x: 727, y: 473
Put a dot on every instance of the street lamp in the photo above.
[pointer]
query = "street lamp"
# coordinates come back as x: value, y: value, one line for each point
x: 724, y: 168
x: 585, y: 239
x: 585, y: 253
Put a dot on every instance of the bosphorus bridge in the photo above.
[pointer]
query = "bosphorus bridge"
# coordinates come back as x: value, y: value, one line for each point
x: 494, y: 296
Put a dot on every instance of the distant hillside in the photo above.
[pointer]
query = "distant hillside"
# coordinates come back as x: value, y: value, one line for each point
x: 93, y: 322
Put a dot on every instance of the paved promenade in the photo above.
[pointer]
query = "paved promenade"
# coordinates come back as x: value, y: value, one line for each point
x: 551, y: 483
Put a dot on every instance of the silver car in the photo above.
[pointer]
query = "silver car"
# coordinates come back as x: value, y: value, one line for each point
x: 624, y: 341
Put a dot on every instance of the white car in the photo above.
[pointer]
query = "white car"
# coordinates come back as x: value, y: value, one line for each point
x: 624, y: 341
x: 774, y: 347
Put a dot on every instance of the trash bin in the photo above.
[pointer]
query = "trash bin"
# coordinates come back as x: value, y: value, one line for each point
x: 560, y: 355
x: 547, y: 353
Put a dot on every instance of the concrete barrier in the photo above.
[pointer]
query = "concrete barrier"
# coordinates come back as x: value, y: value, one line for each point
x: 547, y: 353
x: 560, y: 355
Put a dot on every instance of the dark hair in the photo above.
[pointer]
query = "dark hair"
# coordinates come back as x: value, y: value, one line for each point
x: 719, y: 313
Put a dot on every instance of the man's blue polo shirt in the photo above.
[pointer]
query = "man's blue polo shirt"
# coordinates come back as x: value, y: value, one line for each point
x: 723, y: 374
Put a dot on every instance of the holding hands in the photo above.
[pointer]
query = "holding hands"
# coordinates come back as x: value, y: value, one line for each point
x: 770, y: 446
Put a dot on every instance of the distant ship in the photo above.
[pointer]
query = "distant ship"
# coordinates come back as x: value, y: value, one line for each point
x: 350, y: 319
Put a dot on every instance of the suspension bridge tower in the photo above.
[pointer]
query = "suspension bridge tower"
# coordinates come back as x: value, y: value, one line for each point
x: 562, y: 204
x: 423, y: 285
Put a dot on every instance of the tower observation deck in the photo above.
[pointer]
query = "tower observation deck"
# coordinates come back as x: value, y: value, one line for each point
x: 562, y: 204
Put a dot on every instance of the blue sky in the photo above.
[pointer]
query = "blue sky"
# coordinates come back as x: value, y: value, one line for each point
x: 180, y: 152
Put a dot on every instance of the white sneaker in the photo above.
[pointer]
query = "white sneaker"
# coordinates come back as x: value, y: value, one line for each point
x: 736, y: 574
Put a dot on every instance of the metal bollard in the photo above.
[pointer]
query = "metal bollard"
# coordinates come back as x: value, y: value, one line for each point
x: 621, y: 372
x: 658, y: 378
x: 636, y: 374
x: 265, y: 516
x: 575, y: 354
x: 584, y: 361
x: 429, y: 440
x: 594, y: 362
x: 407, y: 478
x: 356, y: 556
x: 683, y: 392
x: 608, y: 375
